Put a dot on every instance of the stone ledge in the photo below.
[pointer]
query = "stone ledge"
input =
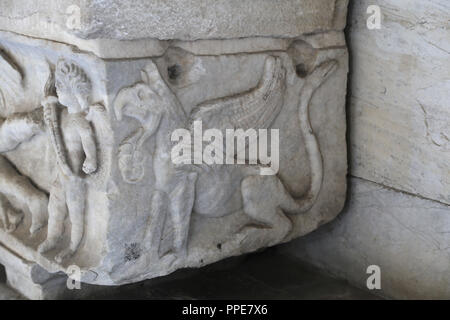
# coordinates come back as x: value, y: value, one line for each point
x: 106, y: 26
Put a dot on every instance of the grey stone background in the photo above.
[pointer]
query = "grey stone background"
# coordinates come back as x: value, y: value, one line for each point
x: 397, y: 214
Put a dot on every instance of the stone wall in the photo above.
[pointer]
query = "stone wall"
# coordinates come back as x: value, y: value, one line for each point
x: 398, y: 214
x: 103, y: 102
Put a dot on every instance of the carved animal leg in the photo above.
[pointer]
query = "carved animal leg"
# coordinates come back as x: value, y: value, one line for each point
x: 262, y: 196
x: 75, y: 197
x: 181, y: 205
x: 57, y: 211
x: 14, y: 184
x: 155, y: 225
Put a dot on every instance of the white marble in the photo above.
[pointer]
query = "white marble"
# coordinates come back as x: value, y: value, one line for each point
x: 103, y: 27
x: 399, y: 138
x: 86, y: 168
x: 400, y: 92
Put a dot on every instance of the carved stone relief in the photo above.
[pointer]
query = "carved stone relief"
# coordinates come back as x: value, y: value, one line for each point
x: 106, y: 193
x: 14, y: 130
x: 157, y: 109
x: 73, y: 141
x: 74, y: 144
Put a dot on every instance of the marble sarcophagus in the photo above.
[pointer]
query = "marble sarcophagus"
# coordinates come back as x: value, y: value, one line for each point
x: 115, y: 130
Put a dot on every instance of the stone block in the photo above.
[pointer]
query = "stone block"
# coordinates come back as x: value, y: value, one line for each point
x: 88, y: 177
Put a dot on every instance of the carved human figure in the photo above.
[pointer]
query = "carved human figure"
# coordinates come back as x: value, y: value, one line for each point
x: 76, y: 154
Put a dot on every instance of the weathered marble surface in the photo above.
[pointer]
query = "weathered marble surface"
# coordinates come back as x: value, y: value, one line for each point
x: 89, y: 138
x: 406, y: 236
x: 400, y: 96
x: 176, y: 19
x: 29, y: 278
x: 399, y: 124
x: 105, y: 25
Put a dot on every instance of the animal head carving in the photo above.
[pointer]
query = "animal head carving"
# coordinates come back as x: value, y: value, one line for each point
x: 150, y: 96
x: 133, y: 102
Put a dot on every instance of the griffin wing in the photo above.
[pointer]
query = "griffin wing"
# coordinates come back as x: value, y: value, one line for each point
x: 256, y: 109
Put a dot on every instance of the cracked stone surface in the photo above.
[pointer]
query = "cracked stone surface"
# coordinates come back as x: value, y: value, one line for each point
x: 176, y: 19
x: 90, y: 117
x: 400, y: 93
x: 406, y: 236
